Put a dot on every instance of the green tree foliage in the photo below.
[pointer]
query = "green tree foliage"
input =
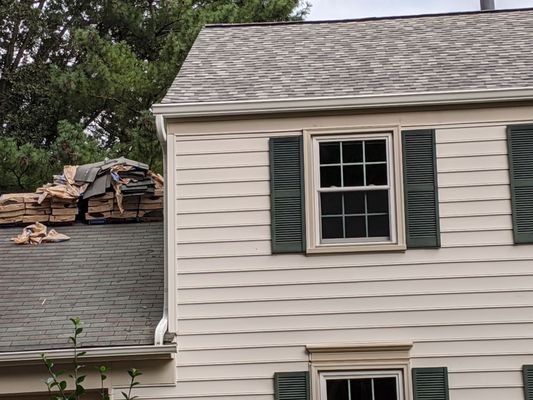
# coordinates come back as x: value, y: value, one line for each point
x: 28, y: 166
x: 22, y: 166
x: 95, y: 67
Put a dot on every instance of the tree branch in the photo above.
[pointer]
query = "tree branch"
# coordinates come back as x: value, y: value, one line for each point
x: 25, y: 41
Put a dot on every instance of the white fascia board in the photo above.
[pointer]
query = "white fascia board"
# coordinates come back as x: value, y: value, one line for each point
x: 92, y: 353
x: 207, y: 109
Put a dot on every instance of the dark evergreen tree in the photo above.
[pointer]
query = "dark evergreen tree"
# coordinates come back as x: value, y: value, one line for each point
x: 77, y: 77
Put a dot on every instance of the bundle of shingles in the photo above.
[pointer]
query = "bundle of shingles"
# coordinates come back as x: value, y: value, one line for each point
x: 120, y: 190
x: 24, y: 208
x: 151, y: 205
x: 55, y: 202
x: 63, y: 195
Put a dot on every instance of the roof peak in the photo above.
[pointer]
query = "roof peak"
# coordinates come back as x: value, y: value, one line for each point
x: 366, y: 19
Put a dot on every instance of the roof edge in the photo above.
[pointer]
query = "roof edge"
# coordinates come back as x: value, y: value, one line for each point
x: 92, y: 353
x: 306, y: 104
x: 365, y: 19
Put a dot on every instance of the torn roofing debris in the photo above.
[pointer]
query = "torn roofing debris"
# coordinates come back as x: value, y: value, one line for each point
x: 37, y: 234
x: 132, y: 177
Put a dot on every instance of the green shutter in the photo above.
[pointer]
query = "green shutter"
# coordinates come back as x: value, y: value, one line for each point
x: 520, y: 147
x: 421, y: 189
x: 291, y: 385
x: 287, y: 195
x: 527, y: 371
x: 430, y: 384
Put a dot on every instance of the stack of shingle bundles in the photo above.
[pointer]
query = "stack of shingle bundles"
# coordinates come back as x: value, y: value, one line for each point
x: 138, y: 182
x: 127, y: 180
x: 23, y: 208
x: 127, y: 175
x: 63, y: 195
x: 63, y: 210
x: 130, y: 207
x: 11, y: 208
x: 151, y: 206
x: 105, y: 207
x: 35, y: 211
x: 100, y: 207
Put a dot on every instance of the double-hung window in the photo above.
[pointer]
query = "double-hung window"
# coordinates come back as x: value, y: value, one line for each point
x: 352, y: 191
x: 372, y: 385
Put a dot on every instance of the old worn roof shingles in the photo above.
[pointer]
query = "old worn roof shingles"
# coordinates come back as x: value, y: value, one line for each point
x: 111, y: 276
x: 469, y: 51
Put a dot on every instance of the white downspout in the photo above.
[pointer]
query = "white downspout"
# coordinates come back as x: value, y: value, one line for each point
x: 161, y: 329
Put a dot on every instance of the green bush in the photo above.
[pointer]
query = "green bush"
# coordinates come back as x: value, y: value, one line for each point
x: 58, y: 387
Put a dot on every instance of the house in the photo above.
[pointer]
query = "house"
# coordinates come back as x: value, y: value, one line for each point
x: 351, y: 210
x: 111, y: 276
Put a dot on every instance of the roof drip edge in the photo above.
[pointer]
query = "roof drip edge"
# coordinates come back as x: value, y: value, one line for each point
x: 92, y: 353
x: 207, y: 109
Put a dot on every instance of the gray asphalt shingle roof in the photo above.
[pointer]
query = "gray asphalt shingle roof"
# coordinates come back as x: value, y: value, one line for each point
x: 111, y: 276
x: 365, y: 57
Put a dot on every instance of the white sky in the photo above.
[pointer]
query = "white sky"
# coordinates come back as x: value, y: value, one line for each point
x: 347, y: 9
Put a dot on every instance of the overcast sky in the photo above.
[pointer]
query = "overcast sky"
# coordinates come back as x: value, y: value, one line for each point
x: 347, y: 9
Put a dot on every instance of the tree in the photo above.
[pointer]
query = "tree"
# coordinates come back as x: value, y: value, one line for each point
x: 100, y: 64
x: 27, y: 166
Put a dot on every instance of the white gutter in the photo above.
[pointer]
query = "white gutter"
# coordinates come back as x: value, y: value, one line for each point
x: 160, y: 330
x: 122, y: 352
x: 205, y: 109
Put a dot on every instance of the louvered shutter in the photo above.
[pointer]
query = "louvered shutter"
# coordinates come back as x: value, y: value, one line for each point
x: 421, y: 189
x: 430, y: 384
x: 528, y: 381
x: 287, y: 195
x: 291, y: 385
x: 520, y: 146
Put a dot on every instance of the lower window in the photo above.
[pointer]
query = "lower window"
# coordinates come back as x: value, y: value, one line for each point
x: 363, y: 385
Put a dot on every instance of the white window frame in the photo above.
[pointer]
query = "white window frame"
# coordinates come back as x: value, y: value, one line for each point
x: 346, y: 360
x: 324, y: 376
x: 390, y: 187
x: 312, y: 140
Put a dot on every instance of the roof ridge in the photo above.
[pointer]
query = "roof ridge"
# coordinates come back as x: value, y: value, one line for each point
x: 368, y: 19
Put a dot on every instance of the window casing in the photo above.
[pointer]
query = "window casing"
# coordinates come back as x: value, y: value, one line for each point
x: 361, y: 385
x: 354, y: 199
x: 363, y: 363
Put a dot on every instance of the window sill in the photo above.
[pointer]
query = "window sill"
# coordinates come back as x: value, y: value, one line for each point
x: 356, y: 248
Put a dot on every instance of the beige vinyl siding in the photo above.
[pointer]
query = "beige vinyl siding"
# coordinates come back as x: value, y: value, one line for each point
x: 477, y: 180
x: 244, y: 314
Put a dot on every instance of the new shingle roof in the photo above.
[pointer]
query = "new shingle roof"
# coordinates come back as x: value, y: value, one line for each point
x: 366, y: 57
x: 111, y: 276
